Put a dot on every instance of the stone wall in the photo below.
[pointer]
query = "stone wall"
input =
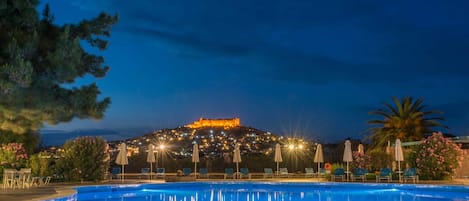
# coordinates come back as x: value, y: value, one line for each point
x: 463, y: 171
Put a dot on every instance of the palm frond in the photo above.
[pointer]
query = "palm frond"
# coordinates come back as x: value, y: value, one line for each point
x: 406, y: 119
x: 376, y: 122
x: 381, y: 112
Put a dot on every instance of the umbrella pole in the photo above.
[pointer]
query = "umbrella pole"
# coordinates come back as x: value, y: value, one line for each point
x: 195, y: 170
x: 319, y: 168
x: 123, y: 173
x: 151, y: 169
x: 237, y: 170
x: 347, y: 173
x: 399, y: 169
x: 277, y: 169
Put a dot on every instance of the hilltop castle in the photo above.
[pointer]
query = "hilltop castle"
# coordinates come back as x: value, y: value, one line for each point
x: 226, y: 123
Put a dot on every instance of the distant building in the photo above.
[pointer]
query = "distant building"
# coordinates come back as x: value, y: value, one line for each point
x: 225, y: 123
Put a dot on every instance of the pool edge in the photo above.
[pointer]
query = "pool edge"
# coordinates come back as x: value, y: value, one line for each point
x: 60, y: 192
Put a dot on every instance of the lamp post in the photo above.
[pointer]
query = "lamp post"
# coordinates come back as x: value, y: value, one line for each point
x: 162, y: 147
x: 294, y: 150
x: 156, y: 163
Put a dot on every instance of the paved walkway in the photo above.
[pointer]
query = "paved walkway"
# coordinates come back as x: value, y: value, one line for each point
x: 55, y: 190
x: 62, y: 189
x: 27, y: 194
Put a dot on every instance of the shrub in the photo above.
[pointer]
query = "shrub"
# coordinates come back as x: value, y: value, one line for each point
x: 41, y: 164
x: 12, y: 155
x: 438, y: 157
x: 379, y: 159
x: 84, y: 158
x: 333, y: 167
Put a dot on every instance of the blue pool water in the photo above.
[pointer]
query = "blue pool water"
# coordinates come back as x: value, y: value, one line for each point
x: 269, y: 191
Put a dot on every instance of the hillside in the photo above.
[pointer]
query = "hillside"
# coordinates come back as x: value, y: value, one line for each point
x: 213, y: 141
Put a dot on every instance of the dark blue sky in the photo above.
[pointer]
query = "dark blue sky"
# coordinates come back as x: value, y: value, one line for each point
x: 293, y: 67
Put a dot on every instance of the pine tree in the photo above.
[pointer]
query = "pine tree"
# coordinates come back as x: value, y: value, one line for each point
x: 38, y: 57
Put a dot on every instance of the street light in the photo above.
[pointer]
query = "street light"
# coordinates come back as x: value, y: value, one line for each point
x: 295, y: 149
x: 162, y: 147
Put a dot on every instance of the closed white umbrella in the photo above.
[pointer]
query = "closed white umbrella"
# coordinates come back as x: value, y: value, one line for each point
x: 388, y: 148
x: 318, y: 156
x: 361, y: 149
x: 122, y: 158
x: 389, y: 151
x: 195, y: 157
x: 399, y: 155
x: 278, y: 155
x: 151, y: 157
x: 348, y: 155
x: 237, y: 158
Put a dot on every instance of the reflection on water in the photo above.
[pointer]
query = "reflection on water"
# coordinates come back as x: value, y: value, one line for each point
x: 272, y: 192
x: 234, y: 195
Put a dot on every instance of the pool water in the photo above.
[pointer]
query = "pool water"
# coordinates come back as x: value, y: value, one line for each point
x: 269, y: 191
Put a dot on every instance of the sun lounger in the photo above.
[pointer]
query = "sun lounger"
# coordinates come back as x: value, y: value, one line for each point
x: 268, y: 172
x: 339, y: 173
x: 114, y: 172
x: 309, y: 172
x: 244, y: 173
x: 186, y: 171
x: 284, y: 172
x: 160, y: 172
x: 322, y: 172
x: 203, y: 173
x: 228, y: 173
x: 411, y: 174
x: 359, y: 173
x: 384, y: 174
x: 145, y: 172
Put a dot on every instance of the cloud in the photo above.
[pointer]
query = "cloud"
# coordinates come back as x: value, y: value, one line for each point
x: 382, y: 44
x: 93, y: 5
x: 191, y: 41
x: 454, y: 109
x: 311, y: 42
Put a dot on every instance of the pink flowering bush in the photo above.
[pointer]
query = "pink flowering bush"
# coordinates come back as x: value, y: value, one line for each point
x: 13, y: 155
x: 361, y: 160
x: 438, y: 157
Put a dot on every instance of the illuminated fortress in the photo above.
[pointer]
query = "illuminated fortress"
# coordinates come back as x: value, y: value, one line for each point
x: 226, y: 123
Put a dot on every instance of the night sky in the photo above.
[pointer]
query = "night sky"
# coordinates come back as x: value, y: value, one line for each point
x: 292, y: 67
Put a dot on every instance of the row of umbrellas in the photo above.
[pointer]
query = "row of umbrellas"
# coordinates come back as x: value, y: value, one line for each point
x: 399, y: 156
x: 318, y: 156
x: 123, y: 160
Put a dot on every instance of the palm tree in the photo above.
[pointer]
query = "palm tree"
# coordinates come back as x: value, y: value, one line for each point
x: 406, y: 120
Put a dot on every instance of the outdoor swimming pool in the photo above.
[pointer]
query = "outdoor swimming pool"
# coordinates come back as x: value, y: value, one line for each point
x: 269, y: 191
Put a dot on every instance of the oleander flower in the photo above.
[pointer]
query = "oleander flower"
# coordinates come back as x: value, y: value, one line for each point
x: 13, y: 155
x: 438, y: 157
x: 360, y: 160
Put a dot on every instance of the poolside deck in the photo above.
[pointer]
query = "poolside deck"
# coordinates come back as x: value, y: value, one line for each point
x: 63, y: 189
